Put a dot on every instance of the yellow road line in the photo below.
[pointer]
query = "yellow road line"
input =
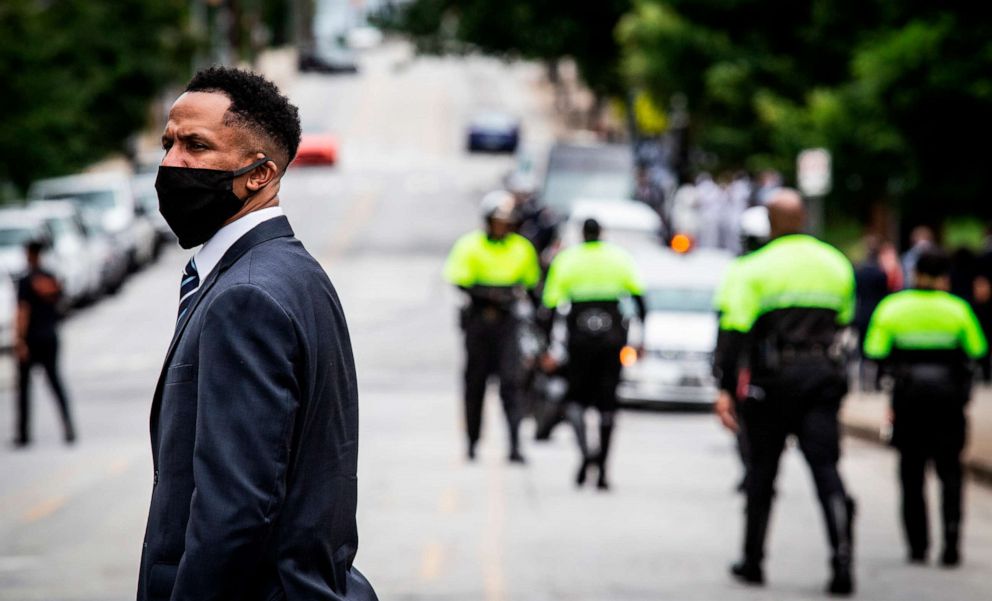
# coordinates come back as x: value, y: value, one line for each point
x: 44, y: 509
x: 494, y: 579
x: 449, y: 501
x: 359, y: 213
x: 431, y: 562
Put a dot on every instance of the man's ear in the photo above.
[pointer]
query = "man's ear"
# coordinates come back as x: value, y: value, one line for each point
x: 262, y: 175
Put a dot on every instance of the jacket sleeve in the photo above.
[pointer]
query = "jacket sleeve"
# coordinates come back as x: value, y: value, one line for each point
x: 879, y: 338
x: 972, y: 338
x: 248, y: 395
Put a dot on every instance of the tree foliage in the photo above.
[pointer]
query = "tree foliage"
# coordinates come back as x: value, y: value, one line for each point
x: 78, y: 78
x: 544, y: 30
x: 894, y: 89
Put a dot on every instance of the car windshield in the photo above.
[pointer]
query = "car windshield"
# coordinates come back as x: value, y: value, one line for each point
x: 93, y: 199
x: 15, y: 236
x: 680, y: 300
x: 60, y: 226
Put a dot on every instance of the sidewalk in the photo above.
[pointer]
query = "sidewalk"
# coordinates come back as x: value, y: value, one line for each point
x: 863, y: 415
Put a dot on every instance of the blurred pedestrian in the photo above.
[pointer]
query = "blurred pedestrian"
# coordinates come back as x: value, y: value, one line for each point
x: 496, y: 269
x: 592, y: 278
x: 982, y: 299
x: 871, y: 286
x: 921, y: 239
x: 789, y: 301
x: 710, y: 204
x: 39, y: 296
x: 926, y: 337
x: 254, y: 422
x: 650, y: 193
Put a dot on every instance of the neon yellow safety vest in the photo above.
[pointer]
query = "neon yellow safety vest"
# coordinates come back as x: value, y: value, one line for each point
x: 790, y: 272
x: 593, y: 271
x: 923, y: 320
x: 475, y: 260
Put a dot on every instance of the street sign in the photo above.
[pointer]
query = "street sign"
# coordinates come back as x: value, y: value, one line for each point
x: 813, y: 172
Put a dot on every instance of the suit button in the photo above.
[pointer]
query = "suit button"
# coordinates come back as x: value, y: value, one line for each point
x: 155, y: 478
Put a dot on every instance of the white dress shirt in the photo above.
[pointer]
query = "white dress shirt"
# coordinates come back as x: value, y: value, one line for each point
x: 213, y: 249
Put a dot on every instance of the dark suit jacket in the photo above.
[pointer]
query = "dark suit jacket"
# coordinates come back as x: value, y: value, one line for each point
x: 254, y: 429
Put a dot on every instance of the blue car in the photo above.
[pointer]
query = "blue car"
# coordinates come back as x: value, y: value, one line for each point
x: 493, y: 132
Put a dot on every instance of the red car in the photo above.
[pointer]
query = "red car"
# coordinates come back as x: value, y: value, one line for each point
x: 317, y: 149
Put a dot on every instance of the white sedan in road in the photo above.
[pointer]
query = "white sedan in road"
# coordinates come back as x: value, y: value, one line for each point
x: 679, y: 335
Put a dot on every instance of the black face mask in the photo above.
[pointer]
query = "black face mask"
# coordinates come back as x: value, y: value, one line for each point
x: 196, y: 202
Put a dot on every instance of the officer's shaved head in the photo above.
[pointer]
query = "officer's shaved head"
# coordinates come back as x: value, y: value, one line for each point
x: 786, y: 212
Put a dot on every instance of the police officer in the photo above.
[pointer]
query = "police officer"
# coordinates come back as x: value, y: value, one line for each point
x: 592, y: 278
x: 754, y: 233
x: 926, y: 338
x: 495, y: 268
x: 788, y: 302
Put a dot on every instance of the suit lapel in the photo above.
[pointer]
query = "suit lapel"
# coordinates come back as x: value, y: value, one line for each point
x: 268, y: 230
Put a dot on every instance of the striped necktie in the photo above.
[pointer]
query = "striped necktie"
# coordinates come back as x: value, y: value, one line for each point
x: 187, y: 288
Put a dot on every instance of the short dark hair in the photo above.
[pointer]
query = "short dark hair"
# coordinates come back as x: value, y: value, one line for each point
x: 591, y: 230
x: 256, y: 104
x: 933, y: 262
x: 34, y: 247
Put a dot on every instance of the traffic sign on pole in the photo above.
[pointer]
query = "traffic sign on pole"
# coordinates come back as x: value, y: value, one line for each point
x: 813, y: 172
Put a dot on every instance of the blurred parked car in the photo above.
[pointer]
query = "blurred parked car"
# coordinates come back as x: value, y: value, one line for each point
x: 327, y: 56
x: 108, y: 198
x: 146, y: 199
x: 679, y: 335
x: 493, y: 131
x: 317, y: 147
x: 576, y: 171
x: 630, y: 224
x: 364, y: 37
x: 8, y: 312
x: 18, y: 226
x: 70, y: 257
x: 111, y: 253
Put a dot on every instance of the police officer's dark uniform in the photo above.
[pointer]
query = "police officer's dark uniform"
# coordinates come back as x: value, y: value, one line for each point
x: 38, y: 297
x: 926, y: 339
x: 592, y: 278
x: 789, y: 301
x: 495, y: 271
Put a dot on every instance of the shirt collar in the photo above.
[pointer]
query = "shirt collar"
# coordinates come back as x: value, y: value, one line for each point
x: 213, y: 249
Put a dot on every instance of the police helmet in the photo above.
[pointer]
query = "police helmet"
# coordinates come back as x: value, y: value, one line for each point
x: 499, y: 205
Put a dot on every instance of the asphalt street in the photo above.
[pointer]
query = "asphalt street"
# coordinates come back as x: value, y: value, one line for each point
x: 432, y: 526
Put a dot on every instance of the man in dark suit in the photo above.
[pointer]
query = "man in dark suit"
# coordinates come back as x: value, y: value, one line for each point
x: 254, y: 422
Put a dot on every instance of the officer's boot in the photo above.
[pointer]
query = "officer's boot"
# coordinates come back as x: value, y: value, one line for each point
x: 515, y: 455
x: 749, y: 570
x: 576, y: 416
x: 605, y: 438
x: 840, y: 524
x: 951, y: 557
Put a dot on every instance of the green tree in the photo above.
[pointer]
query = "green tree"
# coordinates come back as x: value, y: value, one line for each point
x: 545, y: 30
x: 79, y: 76
x: 893, y: 89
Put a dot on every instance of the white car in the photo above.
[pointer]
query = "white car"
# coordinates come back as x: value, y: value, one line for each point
x: 106, y: 196
x: 18, y: 226
x: 679, y: 336
x: 72, y: 256
x: 627, y: 223
x: 8, y: 312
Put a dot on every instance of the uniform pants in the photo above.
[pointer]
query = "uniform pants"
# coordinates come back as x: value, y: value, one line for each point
x: 929, y: 429
x: 803, y: 403
x: 44, y: 353
x: 491, y: 350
